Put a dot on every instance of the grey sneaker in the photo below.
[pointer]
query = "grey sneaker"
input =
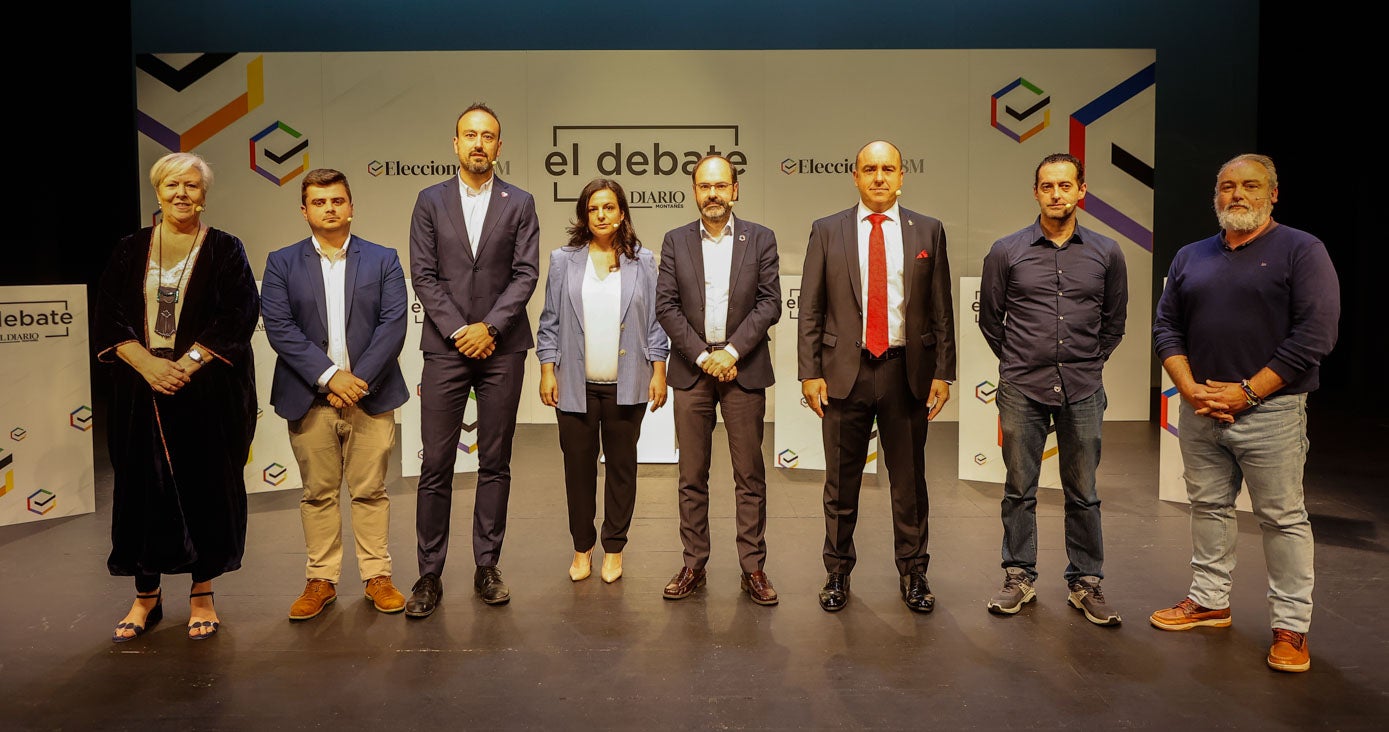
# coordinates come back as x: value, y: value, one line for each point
x: 1087, y: 597
x: 1017, y: 591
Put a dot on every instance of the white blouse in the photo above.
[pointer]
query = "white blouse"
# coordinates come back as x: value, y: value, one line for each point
x: 602, y: 302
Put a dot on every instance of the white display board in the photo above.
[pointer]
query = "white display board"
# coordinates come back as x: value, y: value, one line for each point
x: 981, y: 434
x: 46, y: 404
x: 271, y: 465
x: 796, y: 438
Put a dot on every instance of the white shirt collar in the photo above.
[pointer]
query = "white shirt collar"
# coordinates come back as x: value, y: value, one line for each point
x: 319, y: 246
x: 893, y: 214
x: 727, y: 230
x: 484, y: 188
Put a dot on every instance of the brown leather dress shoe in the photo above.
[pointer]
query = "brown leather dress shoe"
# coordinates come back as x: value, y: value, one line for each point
x: 318, y: 594
x: 1187, y: 614
x: 1289, y: 651
x: 684, y: 583
x: 759, y: 588
x: 383, y: 594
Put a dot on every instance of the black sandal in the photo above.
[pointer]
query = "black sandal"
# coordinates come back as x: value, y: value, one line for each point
x: 152, y: 617
x: 192, y: 626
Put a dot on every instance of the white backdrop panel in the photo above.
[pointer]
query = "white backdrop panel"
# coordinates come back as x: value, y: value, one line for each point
x: 386, y: 118
x: 45, y: 406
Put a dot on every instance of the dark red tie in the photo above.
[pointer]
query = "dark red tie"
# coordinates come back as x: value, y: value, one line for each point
x: 876, y: 340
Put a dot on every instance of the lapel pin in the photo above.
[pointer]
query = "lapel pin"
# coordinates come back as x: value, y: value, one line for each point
x: 910, y: 222
x: 742, y: 237
x: 503, y: 194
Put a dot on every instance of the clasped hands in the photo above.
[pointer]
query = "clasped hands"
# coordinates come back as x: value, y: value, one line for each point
x: 1219, y: 400
x: 164, y: 376
x: 475, y: 342
x: 345, y: 389
x: 721, y: 365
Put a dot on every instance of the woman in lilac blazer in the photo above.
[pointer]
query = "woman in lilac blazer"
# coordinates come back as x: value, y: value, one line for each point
x: 602, y: 361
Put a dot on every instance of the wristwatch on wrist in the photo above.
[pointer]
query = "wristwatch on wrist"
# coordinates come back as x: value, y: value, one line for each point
x: 197, y: 356
x: 491, y: 329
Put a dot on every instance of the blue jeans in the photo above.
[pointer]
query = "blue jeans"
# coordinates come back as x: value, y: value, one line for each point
x: 1078, y: 425
x: 1266, y: 448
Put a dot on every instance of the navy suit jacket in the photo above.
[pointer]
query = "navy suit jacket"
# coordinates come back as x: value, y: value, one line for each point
x: 457, y: 288
x: 754, y: 302
x: 830, y: 322
x: 294, y: 307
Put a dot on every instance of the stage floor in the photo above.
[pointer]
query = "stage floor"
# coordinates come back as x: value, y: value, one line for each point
x: 588, y: 655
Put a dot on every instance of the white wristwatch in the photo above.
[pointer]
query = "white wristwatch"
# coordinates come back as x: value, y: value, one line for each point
x: 197, y: 356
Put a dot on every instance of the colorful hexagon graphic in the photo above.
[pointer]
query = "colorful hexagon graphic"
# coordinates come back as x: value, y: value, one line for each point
x: 787, y: 459
x: 81, y: 418
x: 1026, y: 109
x: 18, y: 434
x: 274, y: 474
x: 375, y: 168
x: 178, y: 80
x: 980, y: 458
x: 274, y: 150
x: 41, y: 501
x: 1168, y: 424
x: 986, y: 391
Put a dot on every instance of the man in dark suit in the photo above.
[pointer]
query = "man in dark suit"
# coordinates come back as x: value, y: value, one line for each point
x: 334, y: 311
x: 876, y: 340
x: 474, y: 259
x: 717, y: 295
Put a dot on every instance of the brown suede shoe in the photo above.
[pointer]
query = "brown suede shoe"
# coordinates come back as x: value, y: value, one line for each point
x: 318, y: 594
x: 1289, y: 651
x: 384, y: 595
x: 1187, y: 614
x: 759, y: 588
x: 683, y: 584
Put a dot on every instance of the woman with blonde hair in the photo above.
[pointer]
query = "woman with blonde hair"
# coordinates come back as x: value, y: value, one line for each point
x: 174, y: 315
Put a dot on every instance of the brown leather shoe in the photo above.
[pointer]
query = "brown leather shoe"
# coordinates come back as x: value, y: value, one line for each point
x: 684, y: 583
x: 318, y: 594
x: 1289, y: 651
x: 759, y: 588
x: 1187, y: 614
x: 384, y: 595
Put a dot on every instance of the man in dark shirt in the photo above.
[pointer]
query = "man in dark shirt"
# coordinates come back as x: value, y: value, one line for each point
x: 1243, y: 324
x: 1052, y: 305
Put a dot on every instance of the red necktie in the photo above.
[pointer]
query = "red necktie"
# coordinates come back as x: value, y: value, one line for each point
x: 876, y: 340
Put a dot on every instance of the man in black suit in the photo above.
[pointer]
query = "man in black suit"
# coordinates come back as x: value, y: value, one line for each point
x: 876, y: 340
x: 474, y: 258
x: 718, y: 293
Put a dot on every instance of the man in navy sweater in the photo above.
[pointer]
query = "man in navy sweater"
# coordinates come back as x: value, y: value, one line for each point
x: 1243, y: 324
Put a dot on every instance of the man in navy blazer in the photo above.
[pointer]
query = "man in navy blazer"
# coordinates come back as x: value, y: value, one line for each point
x: 475, y: 261
x: 334, y: 310
x: 876, y: 340
x: 718, y: 294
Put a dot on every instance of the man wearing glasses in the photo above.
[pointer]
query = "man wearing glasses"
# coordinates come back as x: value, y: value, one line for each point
x: 717, y: 295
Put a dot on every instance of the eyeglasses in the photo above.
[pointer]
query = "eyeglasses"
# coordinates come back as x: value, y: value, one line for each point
x: 720, y: 187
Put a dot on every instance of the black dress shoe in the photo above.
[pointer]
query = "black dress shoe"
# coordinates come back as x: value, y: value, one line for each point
x: 916, y: 592
x: 424, y: 596
x: 835, y: 594
x: 489, y: 585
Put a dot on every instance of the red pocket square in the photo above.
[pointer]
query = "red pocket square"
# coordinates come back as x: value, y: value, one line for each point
x: 922, y: 254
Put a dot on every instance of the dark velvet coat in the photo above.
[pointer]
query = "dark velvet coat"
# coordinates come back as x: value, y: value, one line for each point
x: 180, y: 497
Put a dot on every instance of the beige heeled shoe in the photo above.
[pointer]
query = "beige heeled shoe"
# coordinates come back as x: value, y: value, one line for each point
x: 582, y: 566
x: 612, y: 567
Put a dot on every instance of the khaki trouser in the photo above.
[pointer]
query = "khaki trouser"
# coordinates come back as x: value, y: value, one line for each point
x: 331, y: 445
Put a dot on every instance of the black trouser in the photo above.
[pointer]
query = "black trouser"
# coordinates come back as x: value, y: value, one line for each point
x: 619, y: 427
